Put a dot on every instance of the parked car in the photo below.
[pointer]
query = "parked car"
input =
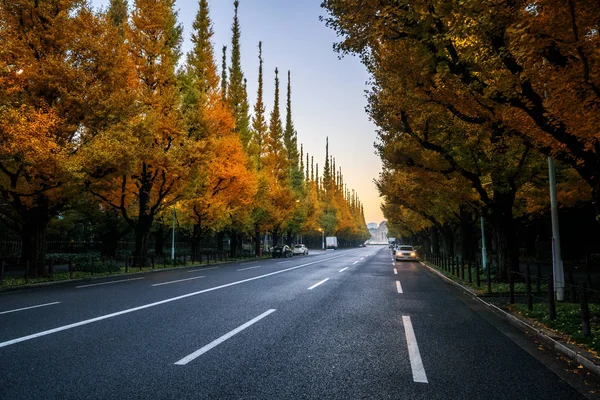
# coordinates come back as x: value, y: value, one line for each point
x: 405, y: 253
x: 300, y: 249
x: 282, y: 251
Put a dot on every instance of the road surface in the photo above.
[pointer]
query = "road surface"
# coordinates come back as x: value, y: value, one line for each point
x: 346, y: 324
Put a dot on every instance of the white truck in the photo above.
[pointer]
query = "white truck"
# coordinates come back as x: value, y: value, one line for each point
x: 331, y: 242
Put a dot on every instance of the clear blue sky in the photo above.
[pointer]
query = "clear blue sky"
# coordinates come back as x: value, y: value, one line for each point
x: 328, y: 94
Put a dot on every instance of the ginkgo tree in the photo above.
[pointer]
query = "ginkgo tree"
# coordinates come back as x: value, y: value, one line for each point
x: 159, y: 159
x: 65, y: 79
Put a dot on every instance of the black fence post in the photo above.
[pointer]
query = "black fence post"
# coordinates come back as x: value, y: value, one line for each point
x: 92, y: 266
x: 2, y: 272
x: 585, y: 310
x: 184, y: 260
x: 528, y: 286
x: 50, y: 269
x: 538, y: 281
x: 470, y: 273
x: 489, y: 278
x: 477, y: 276
x: 127, y: 264
x: 511, y: 287
x: 164, y: 261
x: 462, y: 269
x: 152, y: 260
x: 70, y: 268
x: 551, y: 299
x: 572, y: 289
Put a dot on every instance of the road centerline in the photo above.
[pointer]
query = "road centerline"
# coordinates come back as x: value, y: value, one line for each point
x: 318, y: 283
x: 343, y: 269
x: 29, y: 308
x: 395, y: 271
x: 399, y: 287
x: 143, y: 307
x: 177, y: 281
x: 223, y: 338
x: 416, y: 363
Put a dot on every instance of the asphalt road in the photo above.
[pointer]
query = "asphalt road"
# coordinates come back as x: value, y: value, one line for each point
x: 349, y: 324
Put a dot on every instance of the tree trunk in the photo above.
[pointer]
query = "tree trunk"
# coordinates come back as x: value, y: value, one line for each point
x: 234, y: 244
x: 110, y: 242
x: 435, y: 240
x: 276, y: 237
x: 220, y: 236
x: 142, y: 234
x: 506, y: 238
x: 160, y: 236
x: 448, y: 236
x: 256, y: 240
x: 33, y: 237
x: 467, y: 235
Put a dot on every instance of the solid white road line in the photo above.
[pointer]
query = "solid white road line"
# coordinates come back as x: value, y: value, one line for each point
x: 29, y: 308
x: 355, y: 262
x: 109, y: 283
x: 395, y: 271
x: 202, y: 269
x: 416, y: 363
x: 244, y: 269
x: 343, y: 269
x: 223, y: 338
x: 177, y: 281
x: 399, y: 287
x: 317, y: 284
x: 130, y: 310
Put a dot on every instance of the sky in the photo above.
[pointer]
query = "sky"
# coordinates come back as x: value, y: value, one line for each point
x: 328, y: 93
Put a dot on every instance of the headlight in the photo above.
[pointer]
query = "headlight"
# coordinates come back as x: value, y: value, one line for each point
x: 413, y: 254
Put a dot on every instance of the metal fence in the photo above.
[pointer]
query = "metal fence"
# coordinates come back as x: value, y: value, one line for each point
x: 533, y: 283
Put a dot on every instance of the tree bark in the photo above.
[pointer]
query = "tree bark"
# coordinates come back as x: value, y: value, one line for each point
x: 256, y: 240
x: 506, y: 237
x: 448, y: 236
x: 33, y: 237
x: 142, y: 233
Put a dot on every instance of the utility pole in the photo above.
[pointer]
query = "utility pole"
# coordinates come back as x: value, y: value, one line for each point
x: 483, y: 249
x: 173, y: 234
x: 557, y: 263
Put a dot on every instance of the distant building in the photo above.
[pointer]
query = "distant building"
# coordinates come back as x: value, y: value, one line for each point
x: 378, y: 233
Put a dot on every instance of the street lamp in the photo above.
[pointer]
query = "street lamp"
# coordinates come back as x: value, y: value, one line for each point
x: 173, y: 234
x: 322, y: 238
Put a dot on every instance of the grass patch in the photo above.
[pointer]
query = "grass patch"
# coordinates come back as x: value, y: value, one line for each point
x: 497, y: 287
x: 567, y: 322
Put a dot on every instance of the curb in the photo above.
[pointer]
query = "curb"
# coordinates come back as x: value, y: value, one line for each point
x: 573, y: 352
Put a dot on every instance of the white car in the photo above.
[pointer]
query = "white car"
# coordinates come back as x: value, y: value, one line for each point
x: 300, y: 249
x: 405, y: 253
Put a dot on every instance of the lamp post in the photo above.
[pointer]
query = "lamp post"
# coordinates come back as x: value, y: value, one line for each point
x: 173, y: 234
x: 322, y: 238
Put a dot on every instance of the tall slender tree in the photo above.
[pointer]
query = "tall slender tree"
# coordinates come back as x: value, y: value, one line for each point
x: 162, y: 159
x: 259, y: 123
x: 236, y: 93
